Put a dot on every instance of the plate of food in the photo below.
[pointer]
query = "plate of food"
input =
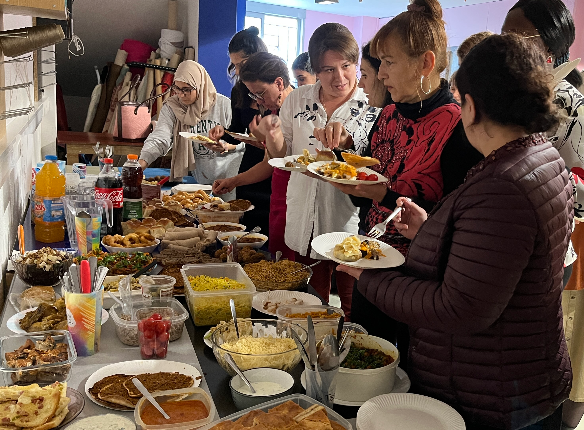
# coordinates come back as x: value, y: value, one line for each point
x: 197, y: 137
x: 112, y: 386
x: 111, y: 285
x: 357, y: 251
x: 343, y: 173
x: 54, y: 406
x: 242, y: 137
x: 269, y: 301
x: 119, y: 263
x: 32, y: 297
x: 130, y: 243
x: 190, y: 188
x: 223, y: 227
x: 43, y: 318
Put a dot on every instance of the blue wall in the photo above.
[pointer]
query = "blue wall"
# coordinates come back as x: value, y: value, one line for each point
x: 219, y: 20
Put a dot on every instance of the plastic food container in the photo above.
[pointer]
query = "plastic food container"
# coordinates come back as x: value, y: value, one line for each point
x: 360, y: 385
x: 193, y: 393
x: 303, y: 401
x: 212, y: 307
x: 261, y: 375
x: 127, y: 327
x: 42, y: 374
x: 322, y: 326
x: 157, y: 286
x: 258, y: 328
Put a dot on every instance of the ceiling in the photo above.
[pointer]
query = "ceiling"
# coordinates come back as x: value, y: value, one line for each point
x: 375, y: 8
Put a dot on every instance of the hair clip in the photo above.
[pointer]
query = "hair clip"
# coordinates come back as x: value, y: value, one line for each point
x: 416, y: 8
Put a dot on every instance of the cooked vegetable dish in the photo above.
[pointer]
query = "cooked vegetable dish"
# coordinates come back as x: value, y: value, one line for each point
x: 119, y: 263
x: 366, y: 358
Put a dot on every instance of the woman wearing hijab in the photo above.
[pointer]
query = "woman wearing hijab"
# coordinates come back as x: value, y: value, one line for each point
x: 195, y: 107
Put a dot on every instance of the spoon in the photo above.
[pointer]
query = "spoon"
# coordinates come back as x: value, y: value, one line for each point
x: 254, y: 230
x: 340, y: 330
x: 148, y: 396
x: 118, y: 301
x: 234, y: 316
x: 229, y: 359
x: 301, y: 348
x: 344, y: 352
x: 328, y: 359
x: 278, y: 255
x: 305, y: 267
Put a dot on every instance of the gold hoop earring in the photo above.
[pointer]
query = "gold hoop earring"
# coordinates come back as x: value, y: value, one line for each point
x: 422, y: 85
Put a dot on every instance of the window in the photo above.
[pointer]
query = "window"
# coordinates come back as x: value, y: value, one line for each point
x: 281, y: 34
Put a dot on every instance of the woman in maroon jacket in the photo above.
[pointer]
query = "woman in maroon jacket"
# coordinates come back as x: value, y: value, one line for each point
x: 482, y: 281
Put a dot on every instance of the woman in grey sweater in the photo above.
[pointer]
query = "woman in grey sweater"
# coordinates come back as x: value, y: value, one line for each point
x: 196, y: 107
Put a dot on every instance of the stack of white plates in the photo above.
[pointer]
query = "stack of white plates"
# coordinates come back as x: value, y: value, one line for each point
x: 407, y: 412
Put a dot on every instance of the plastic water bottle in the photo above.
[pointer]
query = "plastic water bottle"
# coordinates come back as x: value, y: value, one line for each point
x: 49, y: 214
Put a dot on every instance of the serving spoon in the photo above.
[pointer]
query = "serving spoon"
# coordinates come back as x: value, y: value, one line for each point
x: 254, y: 230
x: 148, y: 396
x: 229, y: 359
x: 234, y: 316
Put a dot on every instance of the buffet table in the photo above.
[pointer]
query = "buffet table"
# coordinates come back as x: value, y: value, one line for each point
x: 189, y: 349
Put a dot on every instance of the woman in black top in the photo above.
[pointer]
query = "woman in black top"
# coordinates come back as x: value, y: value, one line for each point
x: 244, y: 111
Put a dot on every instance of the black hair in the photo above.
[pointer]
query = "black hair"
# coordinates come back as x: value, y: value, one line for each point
x: 302, y: 62
x: 248, y: 42
x: 503, y: 75
x: 264, y: 67
x: 376, y: 64
x: 555, y: 25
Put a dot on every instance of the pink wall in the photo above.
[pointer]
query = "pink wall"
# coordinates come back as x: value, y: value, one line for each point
x: 461, y: 22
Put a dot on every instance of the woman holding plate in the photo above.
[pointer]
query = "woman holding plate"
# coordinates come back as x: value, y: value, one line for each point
x: 314, y: 207
x: 195, y: 107
x: 482, y: 282
x: 266, y: 76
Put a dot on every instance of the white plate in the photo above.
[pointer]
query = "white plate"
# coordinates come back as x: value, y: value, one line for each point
x: 381, y: 179
x: 325, y: 243
x: 135, y: 367
x: 280, y: 163
x: 240, y: 136
x: 407, y: 411
x: 190, y: 188
x: 281, y: 296
x: 131, y: 250
x: 402, y: 385
x: 14, y: 326
x: 189, y: 135
x: 241, y: 233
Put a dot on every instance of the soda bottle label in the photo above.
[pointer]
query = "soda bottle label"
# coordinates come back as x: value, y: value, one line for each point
x: 132, y: 209
x: 115, y: 195
x: 49, y: 209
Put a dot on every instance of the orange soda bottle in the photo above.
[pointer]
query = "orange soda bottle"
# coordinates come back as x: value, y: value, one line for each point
x: 49, y: 213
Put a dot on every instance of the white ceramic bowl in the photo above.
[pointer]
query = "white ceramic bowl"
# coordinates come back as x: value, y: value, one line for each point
x: 357, y: 385
x: 131, y: 250
x: 244, y: 401
x: 264, y: 238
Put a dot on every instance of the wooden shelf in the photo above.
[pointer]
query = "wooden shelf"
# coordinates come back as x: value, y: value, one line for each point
x: 54, y: 9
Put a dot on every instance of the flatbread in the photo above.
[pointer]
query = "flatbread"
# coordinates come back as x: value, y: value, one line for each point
x: 289, y: 408
x: 358, y: 161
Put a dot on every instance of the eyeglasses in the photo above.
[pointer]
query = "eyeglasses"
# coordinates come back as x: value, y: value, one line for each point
x: 184, y: 91
x: 257, y: 97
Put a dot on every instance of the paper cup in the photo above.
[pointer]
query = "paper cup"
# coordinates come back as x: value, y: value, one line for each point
x: 84, y: 320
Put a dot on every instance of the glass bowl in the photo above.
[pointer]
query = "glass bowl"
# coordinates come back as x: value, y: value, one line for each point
x: 32, y: 274
x: 258, y: 328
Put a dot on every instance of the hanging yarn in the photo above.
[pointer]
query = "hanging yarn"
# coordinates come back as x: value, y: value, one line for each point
x: 22, y: 40
x: 170, y: 41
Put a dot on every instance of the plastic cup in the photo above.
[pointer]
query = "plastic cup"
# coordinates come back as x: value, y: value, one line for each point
x: 321, y: 385
x: 153, y: 336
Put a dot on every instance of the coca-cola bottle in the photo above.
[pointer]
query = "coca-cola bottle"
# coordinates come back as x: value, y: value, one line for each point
x: 109, y: 187
x: 132, y: 177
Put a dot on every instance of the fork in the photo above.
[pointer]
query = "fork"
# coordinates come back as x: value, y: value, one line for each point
x: 379, y: 229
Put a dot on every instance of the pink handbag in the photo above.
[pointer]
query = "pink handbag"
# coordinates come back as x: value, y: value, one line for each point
x: 133, y: 120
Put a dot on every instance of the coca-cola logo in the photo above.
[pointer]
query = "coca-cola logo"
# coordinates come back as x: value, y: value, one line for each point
x: 116, y: 195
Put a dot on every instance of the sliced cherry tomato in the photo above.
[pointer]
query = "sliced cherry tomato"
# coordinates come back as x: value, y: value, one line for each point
x: 372, y: 177
x: 156, y: 317
x: 361, y: 176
